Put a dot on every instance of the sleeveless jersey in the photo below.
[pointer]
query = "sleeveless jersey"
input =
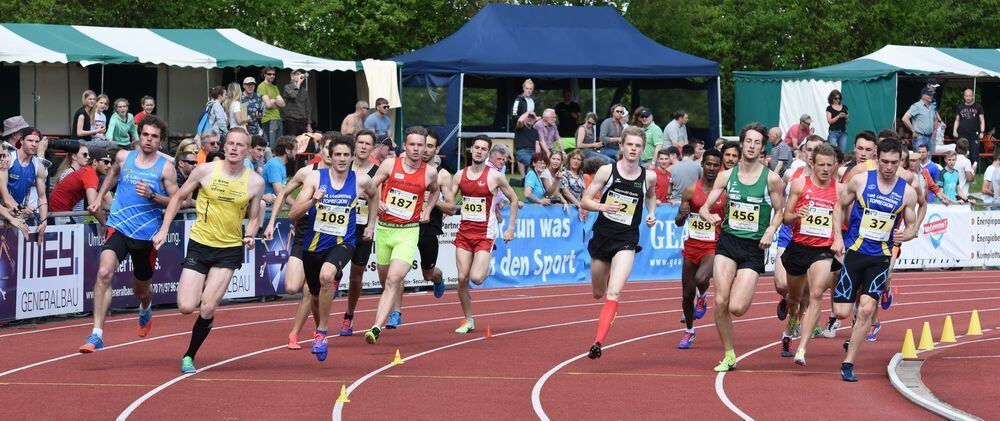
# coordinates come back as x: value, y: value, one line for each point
x: 435, y: 222
x: 873, y: 218
x: 135, y: 216
x: 624, y: 224
x: 21, y: 178
x: 698, y: 229
x: 748, y: 211
x: 333, y: 219
x: 816, y: 229
x: 477, y: 205
x: 299, y: 225
x: 362, y: 216
x: 220, y: 209
x: 403, y: 194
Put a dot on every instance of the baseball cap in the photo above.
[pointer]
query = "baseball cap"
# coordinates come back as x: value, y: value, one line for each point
x: 249, y: 79
x: 927, y: 91
x: 645, y: 113
x: 933, y: 82
x: 806, y: 119
x: 99, y: 153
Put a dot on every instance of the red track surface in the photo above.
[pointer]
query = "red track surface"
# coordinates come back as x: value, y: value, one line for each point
x: 964, y: 374
x: 245, y: 371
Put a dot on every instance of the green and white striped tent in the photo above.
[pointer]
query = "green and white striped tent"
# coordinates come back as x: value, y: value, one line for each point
x: 869, y: 86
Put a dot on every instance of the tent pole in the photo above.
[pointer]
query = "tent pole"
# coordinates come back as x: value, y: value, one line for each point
x: 34, y: 93
x: 102, y: 78
x: 461, y: 98
x: 973, y: 87
x: 593, y: 99
x: 718, y: 89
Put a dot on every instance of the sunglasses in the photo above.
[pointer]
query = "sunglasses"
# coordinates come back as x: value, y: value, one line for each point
x: 384, y: 107
x: 86, y: 154
x: 618, y: 111
x: 836, y: 97
x: 591, y: 122
x: 212, y: 143
x: 269, y: 74
x: 105, y: 161
x: 190, y: 161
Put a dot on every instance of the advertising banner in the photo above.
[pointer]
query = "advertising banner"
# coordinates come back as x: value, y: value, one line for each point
x: 548, y: 248
x: 50, y: 273
x: 9, y: 240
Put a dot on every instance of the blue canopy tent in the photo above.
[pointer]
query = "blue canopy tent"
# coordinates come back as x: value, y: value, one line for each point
x: 502, y: 44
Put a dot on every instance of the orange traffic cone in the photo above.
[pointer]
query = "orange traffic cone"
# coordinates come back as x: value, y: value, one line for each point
x: 488, y: 334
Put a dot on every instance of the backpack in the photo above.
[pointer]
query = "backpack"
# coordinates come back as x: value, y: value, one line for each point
x: 204, y: 121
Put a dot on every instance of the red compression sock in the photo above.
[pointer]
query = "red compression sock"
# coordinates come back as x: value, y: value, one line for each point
x: 607, y: 317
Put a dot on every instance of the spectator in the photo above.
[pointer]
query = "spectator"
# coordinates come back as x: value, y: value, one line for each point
x: 355, y: 122
x: 568, y: 114
x: 684, y: 173
x: 253, y: 105
x: 970, y: 123
x: 572, y: 182
x: 949, y: 178
x: 586, y: 139
x: 9, y: 217
x: 797, y: 133
x: 781, y: 153
x: 836, y: 117
x: 611, y: 131
x: 76, y: 158
x: 699, y: 148
x: 552, y: 179
x: 921, y: 119
x: 184, y: 163
x: 186, y: 145
x: 988, y: 190
x: 499, y: 156
x: 275, y: 171
x: 83, y: 117
x: 676, y: 130
x: 995, y: 180
x: 99, y: 124
x: 548, y: 132
x: 731, y: 152
x: 217, y: 119
x: 258, y: 150
x: 675, y: 156
x: 27, y: 172
x: 526, y: 141
x: 590, y: 167
x: 209, y: 144
x: 148, y: 104
x: 524, y: 103
x: 298, y: 108
x: 273, y: 103
x: 654, y: 134
x: 379, y: 121
x: 966, y: 172
x: 81, y: 183
x: 234, y: 107
x: 805, y: 151
x: 925, y: 161
x: 122, y: 129
x: 662, y: 177
x: 535, y: 190
x: 381, y: 150
x: 722, y: 141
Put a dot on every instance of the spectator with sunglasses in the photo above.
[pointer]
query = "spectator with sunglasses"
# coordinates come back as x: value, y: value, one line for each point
x: 298, y: 107
x: 79, y: 184
x: 273, y: 102
x: 209, y: 144
x: 379, y: 121
x: 836, y: 117
x: 611, y: 131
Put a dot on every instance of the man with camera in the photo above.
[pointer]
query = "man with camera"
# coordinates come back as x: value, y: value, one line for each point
x: 298, y: 109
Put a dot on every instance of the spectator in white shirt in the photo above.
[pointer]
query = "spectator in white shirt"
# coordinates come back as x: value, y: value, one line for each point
x: 676, y: 131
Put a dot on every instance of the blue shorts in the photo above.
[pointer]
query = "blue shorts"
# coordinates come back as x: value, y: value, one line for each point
x: 524, y: 156
x: 784, y: 236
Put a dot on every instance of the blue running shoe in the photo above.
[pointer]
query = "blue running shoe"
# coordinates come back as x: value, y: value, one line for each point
x: 187, y: 365
x: 145, y: 321
x: 439, y: 289
x: 94, y: 343
x: 395, y: 320
x: 873, y: 333
x: 847, y: 372
x: 319, y: 346
x: 886, y: 299
x: 700, y: 307
x: 686, y: 340
x: 346, y: 327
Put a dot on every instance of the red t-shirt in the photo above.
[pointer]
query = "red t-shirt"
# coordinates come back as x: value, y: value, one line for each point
x: 662, y: 185
x: 139, y: 117
x: 72, y: 189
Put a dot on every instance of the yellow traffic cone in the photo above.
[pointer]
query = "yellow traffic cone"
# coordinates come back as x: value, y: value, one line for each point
x: 948, y: 332
x: 909, y: 352
x: 975, y: 328
x: 926, y: 340
x: 397, y: 360
x: 343, y: 395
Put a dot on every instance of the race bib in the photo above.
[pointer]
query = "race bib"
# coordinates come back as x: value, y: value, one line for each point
x: 473, y: 209
x: 332, y: 220
x: 744, y: 216
x: 876, y: 225
x: 362, y: 218
x: 401, y: 204
x: 700, y: 229
x: 626, y: 212
x: 817, y: 223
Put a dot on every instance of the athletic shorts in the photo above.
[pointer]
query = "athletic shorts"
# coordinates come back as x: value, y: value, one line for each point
x: 784, y: 236
x: 312, y: 263
x: 695, y: 250
x: 745, y: 252
x: 473, y: 244
x: 143, y: 253
x: 362, y: 247
x: 396, y: 243
x: 797, y: 258
x: 200, y: 258
x: 429, y: 247
x: 296, y: 251
x: 862, y: 273
x: 605, y: 248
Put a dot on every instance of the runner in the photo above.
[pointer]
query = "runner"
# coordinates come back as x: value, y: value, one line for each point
x: 699, y: 246
x: 747, y: 232
x: 478, y: 185
x: 731, y: 152
x: 626, y: 188
x: 872, y: 228
x: 404, y: 180
x: 813, y: 213
x: 330, y: 215
x: 364, y: 141
x: 145, y: 181
x: 215, y: 246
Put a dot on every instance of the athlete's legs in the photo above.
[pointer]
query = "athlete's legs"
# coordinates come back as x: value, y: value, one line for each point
x: 463, y: 262
x: 142, y: 289
x: 600, y: 271
x: 689, y: 290
x: 216, y: 283
x: 395, y: 272
x: 704, y: 274
x: 189, y: 290
x: 866, y: 312
x: 819, y: 275
x: 328, y: 284
x: 294, y: 275
x: 354, y: 289
x: 780, y: 276
x: 741, y: 291
x: 796, y: 289
x: 724, y: 273
x: 102, y: 288
x: 305, y: 307
x: 621, y: 268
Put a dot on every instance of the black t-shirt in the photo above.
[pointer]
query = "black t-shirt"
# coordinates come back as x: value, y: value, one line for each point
x: 86, y: 124
x: 840, y: 124
x: 525, y: 138
x: 968, y: 118
x: 567, y: 123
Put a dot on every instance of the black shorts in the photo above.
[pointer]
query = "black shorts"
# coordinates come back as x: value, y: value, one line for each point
x: 797, y: 258
x: 312, y: 263
x: 864, y: 273
x: 362, y: 248
x: 200, y: 258
x: 745, y: 252
x: 605, y: 248
x: 428, y: 245
x: 143, y: 253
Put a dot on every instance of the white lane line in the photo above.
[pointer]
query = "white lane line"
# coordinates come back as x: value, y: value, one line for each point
x: 971, y: 357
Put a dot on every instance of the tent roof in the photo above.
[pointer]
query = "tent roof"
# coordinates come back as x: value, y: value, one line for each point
x: 203, y: 48
x: 553, y: 41
x: 970, y: 62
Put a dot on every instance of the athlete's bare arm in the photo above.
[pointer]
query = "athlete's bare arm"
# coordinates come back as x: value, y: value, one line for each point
x: 364, y: 182
x: 255, y: 190
x: 307, y: 197
x: 685, y: 209
x: 435, y: 192
x: 600, y: 179
x: 447, y: 206
x: 776, y: 189
x: 838, y: 234
x: 850, y: 194
x: 293, y: 184
x: 650, y: 199
x: 717, y: 191
x: 110, y: 179
x: 193, y: 182
x: 501, y: 184
x: 169, y: 180
x: 790, y: 217
x: 909, y: 217
x: 380, y: 176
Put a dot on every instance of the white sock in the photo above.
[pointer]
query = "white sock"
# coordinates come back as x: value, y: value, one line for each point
x: 98, y: 331
x: 691, y: 330
x: 141, y: 308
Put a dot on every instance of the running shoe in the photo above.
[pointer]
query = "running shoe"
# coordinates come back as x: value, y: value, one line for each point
x: 595, y: 351
x: 847, y: 372
x: 439, y: 289
x: 886, y: 299
x: 728, y: 363
x: 319, y: 346
x: 817, y: 331
x: 700, y: 307
x: 683, y: 319
x: 785, y: 350
x: 686, y: 340
x: 293, y: 342
x: 346, y: 327
x: 800, y: 357
x: 873, y: 333
x: 187, y: 365
x: 145, y: 321
x: 793, y: 327
x: 831, y: 328
x: 371, y: 336
x: 466, y: 326
x: 782, y: 309
x: 94, y: 343
x: 395, y: 320
x: 847, y: 344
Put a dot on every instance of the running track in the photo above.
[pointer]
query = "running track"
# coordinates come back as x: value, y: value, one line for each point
x: 533, y: 366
